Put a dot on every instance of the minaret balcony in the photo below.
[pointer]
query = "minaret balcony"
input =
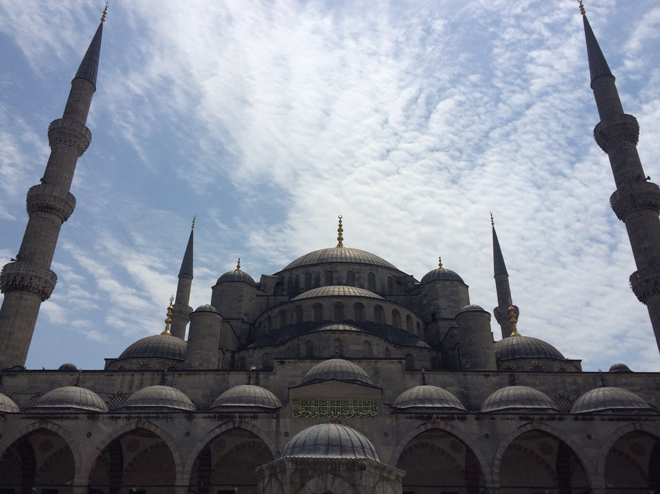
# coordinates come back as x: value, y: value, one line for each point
x: 635, y: 197
x: 47, y: 198
x: 645, y: 283
x: 69, y: 132
x: 615, y: 131
x: 27, y: 277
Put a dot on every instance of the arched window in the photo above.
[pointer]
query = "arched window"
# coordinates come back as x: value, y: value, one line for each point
x: 308, y: 281
x: 366, y: 349
x: 328, y: 278
x: 279, y: 288
x: 410, y: 362
x: 396, y: 319
x: 289, y: 284
x: 338, y: 315
x: 241, y: 363
x: 337, y: 348
x: 350, y: 278
x: 281, y: 318
x: 317, y: 280
x: 358, y: 310
x: 409, y: 323
x: 266, y: 361
x: 390, y: 285
x: 298, y: 315
x: 379, y: 315
x: 419, y: 329
x: 309, y: 349
x: 296, y: 283
x: 269, y: 323
x: 318, y: 313
x: 371, y: 282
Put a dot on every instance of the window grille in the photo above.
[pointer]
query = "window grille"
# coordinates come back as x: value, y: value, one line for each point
x: 396, y: 319
x: 116, y: 400
x: 328, y: 278
x: 563, y: 403
x: 366, y: 349
x: 371, y: 282
x: 337, y: 348
x: 410, y: 362
x: 309, y: 349
x: 267, y: 361
x: 359, y: 312
x: 33, y: 400
x: 350, y: 278
x: 379, y: 315
x: 318, y: 313
x: 338, y: 313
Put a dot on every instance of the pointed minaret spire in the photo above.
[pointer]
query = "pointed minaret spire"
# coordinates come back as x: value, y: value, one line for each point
x: 28, y: 281
x: 502, y: 287
x: 636, y: 200
x: 181, y: 310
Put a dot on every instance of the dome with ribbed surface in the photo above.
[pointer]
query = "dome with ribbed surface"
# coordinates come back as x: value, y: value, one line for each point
x: 247, y: 395
x: 156, y: 346
x: 337, y: 327
x: 620, y: 368
x: 610, y: 399
x: 70, y: 397
x: 427, y: 396
x: 68, y: 368
x: 206, y: 308
x: 237, y: 275
x: 473, y: 308
x: 516, y: 398
x: 159, y: 397
x: 441, y: 274
x: 339, y: 254
x: 7, y: 405
x: 337, y: 291
x: 525, y: 347
x: 330, y: 441
x: 339, y: 369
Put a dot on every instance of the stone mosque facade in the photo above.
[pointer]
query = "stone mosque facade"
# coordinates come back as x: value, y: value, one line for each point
x: 338, y: 374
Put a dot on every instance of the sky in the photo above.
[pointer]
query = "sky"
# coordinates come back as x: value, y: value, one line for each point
x: 267, y: 119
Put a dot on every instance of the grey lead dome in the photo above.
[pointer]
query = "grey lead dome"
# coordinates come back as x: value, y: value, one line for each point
x: 518, y: 397
x: 340, y: 254
x: 71, y: 397
x: 330, y: 441
x: 427, y: 396
x: 247, y: 395
x: 441, y: 274
x: 339, y: 369
x: 337, y: 291
x: 525, y: 347
x: 159, y: 397
x: 237, y: 275
x: 156, y: 346
x: 7, y: 405
x: 610, y: 399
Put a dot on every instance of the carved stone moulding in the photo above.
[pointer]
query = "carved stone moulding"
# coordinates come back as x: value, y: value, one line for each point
x: 645, y: 283
x: 616, y: 130
x: 46, y: 198
x: 635, y: 197
x: 69, y: 132
x: 27, y: 277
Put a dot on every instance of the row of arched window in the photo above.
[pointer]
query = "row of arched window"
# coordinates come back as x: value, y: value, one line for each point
x: 331, y: 278
x: 337, y: 351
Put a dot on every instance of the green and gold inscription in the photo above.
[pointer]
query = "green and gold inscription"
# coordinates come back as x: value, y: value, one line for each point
x: 335, y: 409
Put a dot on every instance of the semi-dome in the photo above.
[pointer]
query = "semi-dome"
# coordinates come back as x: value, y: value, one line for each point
x: 337, y: 291
x: 330, y: 441
x: 159, y: 397
x: 68, y: 368
x: 337, y: 327
x: 237, y: 275
x: 339, y: 254
x: 525, y: 347
x: 620, y: 368
x: 7, y: 405
x: 71, y: 397
x: 610, y: 399
x: 339, y: 369
x: 518, y: 397
x: 156, y: 346
x: 247, y: 395
x: 427, y: 396
x: 441, y: 274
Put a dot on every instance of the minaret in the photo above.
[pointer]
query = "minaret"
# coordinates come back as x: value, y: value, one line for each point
x: 181, y: 311
x: 502, y: 286
x: 636, y: 200
x: 28, y: 281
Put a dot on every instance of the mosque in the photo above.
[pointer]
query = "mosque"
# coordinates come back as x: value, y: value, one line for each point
x: 337, y: 374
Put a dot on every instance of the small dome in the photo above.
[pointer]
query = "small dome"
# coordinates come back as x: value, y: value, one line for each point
x: 156, y: 346
x: 247, y: 395
x: 330, y: 441
x: 427, y: 396
x: 609, y: 399
x: 339, y: 254
x: 472, y: 308
x: 441, y: 274
x: 621, y: 368
x: 159, y: 397
x: 237, y: 275
x: 337, y: 327
x: 71, y: 397
x: 337, y: 291
x: 518, y: 397
x: 68, y: 368
x: 339, y: 369
x: 7, y: 405
x: 525, y: 347
x: 206, y: 308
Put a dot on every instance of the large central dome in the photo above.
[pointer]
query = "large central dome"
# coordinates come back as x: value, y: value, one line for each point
x: 339, y: 254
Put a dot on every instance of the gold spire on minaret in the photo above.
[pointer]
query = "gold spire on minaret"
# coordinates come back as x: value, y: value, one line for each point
x: 105, y: 12
x: 238, y: 265
x: 492, y: 221
x: 340, y: 233
x: 582, y: 11
x: 193, y: 225
x: 513, y: 320
x: 168, y: 321
x: 439, y: 262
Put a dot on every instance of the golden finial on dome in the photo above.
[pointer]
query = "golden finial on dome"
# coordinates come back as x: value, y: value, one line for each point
x: 193, y: 225
x: 168, y: 321
x: 439, y: 262
x: 513, y: 320
x: 238, y: 264
x: 492, y: 221
x: 582, y: 11
x: 340, y: 233
x: 105, y: 12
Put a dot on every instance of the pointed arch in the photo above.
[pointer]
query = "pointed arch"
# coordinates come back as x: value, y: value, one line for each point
x: 324, y: 483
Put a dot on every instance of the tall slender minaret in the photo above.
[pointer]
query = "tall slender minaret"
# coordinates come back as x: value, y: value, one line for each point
x: 28, y: 281
x: 181, y: 311
x: 502, y: 286
x: 636, y: 201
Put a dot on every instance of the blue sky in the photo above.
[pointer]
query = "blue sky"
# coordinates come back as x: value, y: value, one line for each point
x: 267, y: 119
